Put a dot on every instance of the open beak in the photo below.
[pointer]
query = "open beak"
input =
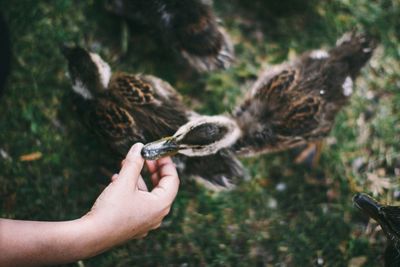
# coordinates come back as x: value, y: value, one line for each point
x: 367, y: 205
x: 160, y: 148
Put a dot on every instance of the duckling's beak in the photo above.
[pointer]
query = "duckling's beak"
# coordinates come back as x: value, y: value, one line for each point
x: 367, y: 205
x: 160, y: 148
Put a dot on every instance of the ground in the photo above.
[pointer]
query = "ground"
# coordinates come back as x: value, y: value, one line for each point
x: 51, y: 167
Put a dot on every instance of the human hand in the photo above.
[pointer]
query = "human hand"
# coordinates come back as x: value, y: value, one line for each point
x: 126, y: 209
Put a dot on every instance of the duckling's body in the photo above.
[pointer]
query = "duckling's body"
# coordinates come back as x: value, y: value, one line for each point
x: 297, y: 102
x: 290, y: 105
x: 388, y: 218
x: 188, y: 26
x: 125, y: 108
x: 137, y: 108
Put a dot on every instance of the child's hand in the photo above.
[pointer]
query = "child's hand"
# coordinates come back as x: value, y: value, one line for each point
x: 126, y: 209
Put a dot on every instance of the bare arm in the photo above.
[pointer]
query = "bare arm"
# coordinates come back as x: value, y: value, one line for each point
x: 125, y: 210
x: 24, y: 243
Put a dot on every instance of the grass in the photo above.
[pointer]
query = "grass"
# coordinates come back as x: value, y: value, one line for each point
x: 311, y: 222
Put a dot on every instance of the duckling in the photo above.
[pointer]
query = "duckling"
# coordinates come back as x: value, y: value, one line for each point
x: 127, y: 108
x: 189, y: 26
x: 388, y: 218
x: 290, y: 105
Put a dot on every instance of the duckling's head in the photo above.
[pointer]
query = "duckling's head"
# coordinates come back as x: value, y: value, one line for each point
x: 387, y: 216
x: 201, y: 136
x: 368, y: 205
x: 89, y: 73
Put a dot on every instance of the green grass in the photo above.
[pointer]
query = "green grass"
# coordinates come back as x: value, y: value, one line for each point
x: 256, y: 224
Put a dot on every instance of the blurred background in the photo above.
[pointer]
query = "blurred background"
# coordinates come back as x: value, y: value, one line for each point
x: 51, y: 167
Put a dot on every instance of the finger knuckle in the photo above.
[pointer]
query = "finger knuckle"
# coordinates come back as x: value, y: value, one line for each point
x: 144, y: 235
x: 131, y: 161
x: 156, y: 226
x: 135, y: 163
x: 166, y: 210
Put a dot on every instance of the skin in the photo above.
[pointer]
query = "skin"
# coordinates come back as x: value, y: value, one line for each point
x: 125, y: 210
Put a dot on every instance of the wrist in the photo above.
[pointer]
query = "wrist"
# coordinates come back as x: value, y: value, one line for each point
x: 91, y: 238
x: 96, y: 235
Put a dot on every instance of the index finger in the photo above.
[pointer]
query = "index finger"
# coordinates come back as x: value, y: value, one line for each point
x: 168, y: 185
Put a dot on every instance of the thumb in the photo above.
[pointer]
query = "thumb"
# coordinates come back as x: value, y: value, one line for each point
x: 133, y: 164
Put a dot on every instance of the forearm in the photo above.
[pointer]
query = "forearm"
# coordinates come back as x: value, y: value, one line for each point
x: 31, y: 243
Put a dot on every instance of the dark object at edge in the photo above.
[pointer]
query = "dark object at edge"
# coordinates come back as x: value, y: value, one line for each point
x: 5, y: 53
x: 388, y: 218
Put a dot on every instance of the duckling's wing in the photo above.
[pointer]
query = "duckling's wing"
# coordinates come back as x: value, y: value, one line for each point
x: 194, y: 30
x: 163, y: 91
x: 189, y: 26
x: 139, y: 90
x: 153, y: 103
x: 301, y: 118
x: 129, y: 89
x: 290, y: 111
x: 274, y: 84
x: 209, y: 50
x: 115, y: 125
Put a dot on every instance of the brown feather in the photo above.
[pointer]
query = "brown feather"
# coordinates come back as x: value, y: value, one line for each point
x: 190, y: 27
x: 114, y: 124
x: 143, y: 108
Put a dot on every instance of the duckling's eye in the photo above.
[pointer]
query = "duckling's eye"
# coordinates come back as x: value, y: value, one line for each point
x: 380, y: 211
x: 204, y: 134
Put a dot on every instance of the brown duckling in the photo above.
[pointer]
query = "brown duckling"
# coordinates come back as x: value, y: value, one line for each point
x: 188, y: 26
x: 127, y: 108
x: 290, y: 105
x: 388, y: 218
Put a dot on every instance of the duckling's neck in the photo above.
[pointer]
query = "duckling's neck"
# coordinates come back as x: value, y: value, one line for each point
x: 257, y: 133
x: 103, y: 70
x: 255, y: 137
x: 82, y: 90
x: 88, y: 85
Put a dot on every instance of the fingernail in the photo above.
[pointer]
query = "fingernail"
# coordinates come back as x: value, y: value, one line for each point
x: 135, y: 149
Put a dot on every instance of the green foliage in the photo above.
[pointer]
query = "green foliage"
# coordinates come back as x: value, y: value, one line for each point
x: 310, y: 221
